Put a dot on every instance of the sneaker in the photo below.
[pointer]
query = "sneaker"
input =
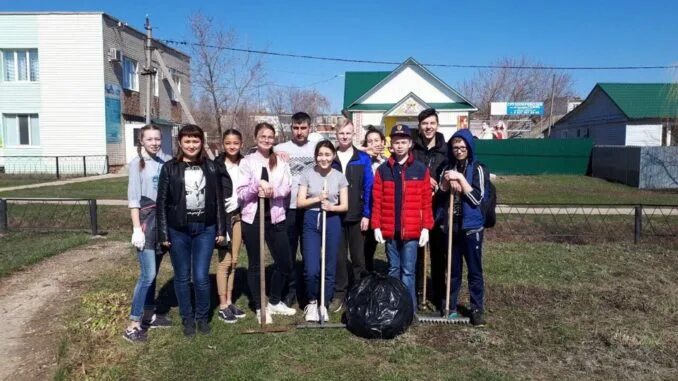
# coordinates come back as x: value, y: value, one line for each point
x: 323, y: 313
x: 189, y: 328
x: 237, y: 312
x: 269, y: 319
x: 204, y: 327
x: 311, y: 312
x: 454, y: 315
x: 280, y: 309
x: 226, y: 315
x: 157, y: 321
x: 477, y: 319
x: 135, y: 335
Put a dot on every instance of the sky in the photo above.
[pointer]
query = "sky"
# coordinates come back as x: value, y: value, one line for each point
x: 556, y: 33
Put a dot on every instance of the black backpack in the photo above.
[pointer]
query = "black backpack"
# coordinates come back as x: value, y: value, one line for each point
x: 488, y: 205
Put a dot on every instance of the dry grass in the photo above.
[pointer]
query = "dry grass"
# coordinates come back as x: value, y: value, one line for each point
x: 555, y: 311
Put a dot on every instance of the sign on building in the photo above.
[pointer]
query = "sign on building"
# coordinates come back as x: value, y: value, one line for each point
x: 113, y: 114
x: 516, y: 108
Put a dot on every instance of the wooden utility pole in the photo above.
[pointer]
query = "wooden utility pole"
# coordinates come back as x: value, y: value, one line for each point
x: 179, y: 96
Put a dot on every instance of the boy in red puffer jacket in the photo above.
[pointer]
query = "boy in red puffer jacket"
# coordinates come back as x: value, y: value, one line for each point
x: 401, y: 209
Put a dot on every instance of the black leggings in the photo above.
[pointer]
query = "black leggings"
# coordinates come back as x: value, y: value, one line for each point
x: 278, y: 244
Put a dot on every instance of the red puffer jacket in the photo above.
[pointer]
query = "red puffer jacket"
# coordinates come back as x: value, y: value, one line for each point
x: 416, y: 211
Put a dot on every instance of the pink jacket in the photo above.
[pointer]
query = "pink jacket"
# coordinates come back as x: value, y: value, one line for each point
x: 248, y: 187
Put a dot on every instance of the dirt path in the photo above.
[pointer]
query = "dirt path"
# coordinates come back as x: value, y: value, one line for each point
x: 32, y: 302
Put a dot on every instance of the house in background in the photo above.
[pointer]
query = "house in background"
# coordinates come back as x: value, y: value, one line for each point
x: 625, y: 114
x: 71, y: 83
x: 387, y: 98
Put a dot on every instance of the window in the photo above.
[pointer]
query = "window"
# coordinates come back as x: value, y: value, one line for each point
x: 177, y: 81
x: 20, y: 65
x: 156, y: 83
x: 130, y: 74
x: 22, y: 129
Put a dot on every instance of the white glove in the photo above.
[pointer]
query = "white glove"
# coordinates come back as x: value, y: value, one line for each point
x: 423, y: 238
x: 378, y: 237
x: 138, y: 238
x: 231, y: 204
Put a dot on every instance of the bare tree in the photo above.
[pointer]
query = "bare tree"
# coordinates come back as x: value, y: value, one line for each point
x: 224, y: 80
x: 288, y: 100
x: 509, y: 84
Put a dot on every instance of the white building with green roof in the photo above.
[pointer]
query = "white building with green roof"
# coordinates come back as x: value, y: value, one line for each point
x: 630, y: 114
x: 387, y: 98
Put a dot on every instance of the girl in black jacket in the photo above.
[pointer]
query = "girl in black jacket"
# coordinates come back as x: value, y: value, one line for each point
x: 191, y: 220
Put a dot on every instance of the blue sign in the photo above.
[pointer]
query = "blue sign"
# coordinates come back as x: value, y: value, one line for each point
x: 525, y: 108
x: 113, y: 120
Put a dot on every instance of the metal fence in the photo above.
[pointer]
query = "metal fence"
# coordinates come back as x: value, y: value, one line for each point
x: 641, y: 167
x: 582, y: 223
x: 58, y: 166
x: 49, y: 214
x: 535, y: 156
x: 565, y: 223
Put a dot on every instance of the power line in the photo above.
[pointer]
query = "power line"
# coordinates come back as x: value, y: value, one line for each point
x: 273, y: 84
x: 457, y: 66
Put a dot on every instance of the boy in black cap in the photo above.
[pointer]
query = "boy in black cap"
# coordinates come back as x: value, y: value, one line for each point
x: 401, y: 211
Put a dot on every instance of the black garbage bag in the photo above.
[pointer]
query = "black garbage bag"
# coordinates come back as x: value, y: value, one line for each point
x: 379, y: 307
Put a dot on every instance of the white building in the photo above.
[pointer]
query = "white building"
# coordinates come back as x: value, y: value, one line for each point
x: 631, y: 114
x: 71, y: 84
x: 389, y: 98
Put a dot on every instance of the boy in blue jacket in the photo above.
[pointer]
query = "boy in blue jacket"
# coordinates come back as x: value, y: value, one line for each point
x: 468, y: 180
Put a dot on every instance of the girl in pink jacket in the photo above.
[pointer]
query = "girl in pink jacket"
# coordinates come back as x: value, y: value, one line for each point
x: 262, y: 175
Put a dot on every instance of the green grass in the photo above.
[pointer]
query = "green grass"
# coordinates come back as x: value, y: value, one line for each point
x: 575, y: 189
x: 16, y: 180
x: 100, y: 189
x: 18, y: 250
x: 554, y: 311
x: 510, y: 189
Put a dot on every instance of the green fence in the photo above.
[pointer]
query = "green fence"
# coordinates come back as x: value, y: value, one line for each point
x: 535, y: 156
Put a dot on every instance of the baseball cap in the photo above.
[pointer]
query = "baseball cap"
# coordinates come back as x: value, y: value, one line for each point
x: 400, y: 130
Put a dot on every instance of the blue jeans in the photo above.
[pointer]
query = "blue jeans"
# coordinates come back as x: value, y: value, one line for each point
x: 402, y: 263
x: 312, y: 245
x: 468, y: 247
x: 144, y: 292
x: 191, y: 252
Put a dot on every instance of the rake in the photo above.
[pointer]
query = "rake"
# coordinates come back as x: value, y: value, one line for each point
x: 321, y: 322
x: 445, y: 319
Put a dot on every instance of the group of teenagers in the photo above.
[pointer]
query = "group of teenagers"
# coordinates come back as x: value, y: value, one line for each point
x: 399, y: 196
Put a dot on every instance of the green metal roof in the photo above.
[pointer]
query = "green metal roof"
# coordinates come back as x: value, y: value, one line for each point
x: 357, y: 83
x: 388, y: 106
x: 644, y: 100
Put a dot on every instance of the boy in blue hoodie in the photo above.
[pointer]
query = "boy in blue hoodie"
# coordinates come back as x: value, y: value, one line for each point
x: 468, y: 180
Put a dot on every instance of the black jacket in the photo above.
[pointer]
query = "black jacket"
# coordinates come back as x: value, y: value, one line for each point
x: 360, y: 178
x: 227, y: 190
x: 171, y: 200
x: 434, y: 158
x: 226, y: 182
